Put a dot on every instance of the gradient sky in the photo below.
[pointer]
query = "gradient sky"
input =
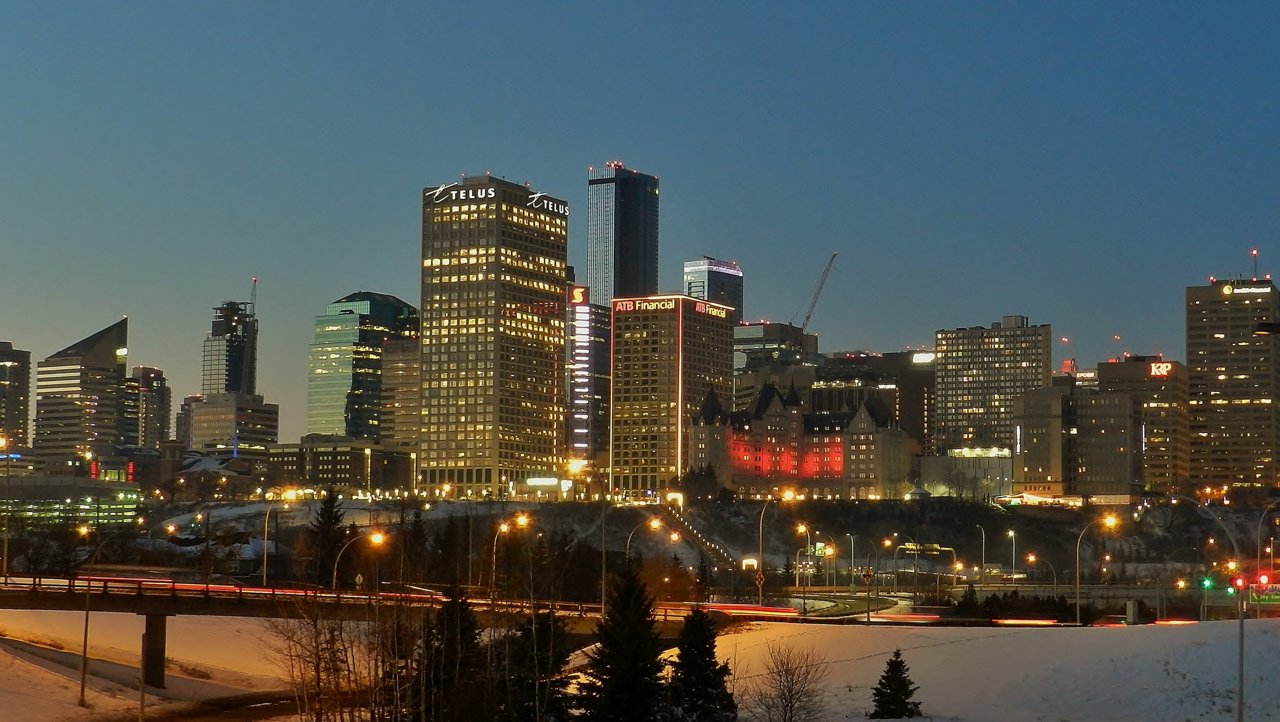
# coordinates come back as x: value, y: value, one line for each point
x: 1076, y: 163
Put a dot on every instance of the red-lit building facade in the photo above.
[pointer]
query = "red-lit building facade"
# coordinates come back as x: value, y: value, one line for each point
x: 778, y: 445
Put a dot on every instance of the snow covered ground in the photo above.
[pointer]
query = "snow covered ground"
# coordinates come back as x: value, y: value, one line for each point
x: 210, y: 657
x: 1120, y: 674
x: 1125, y: 674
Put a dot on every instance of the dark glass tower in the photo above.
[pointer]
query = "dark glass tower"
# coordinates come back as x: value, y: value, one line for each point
x: 15, y: 395
x: 344, y: 386
x: 230, y: 364
x: 622, y: 233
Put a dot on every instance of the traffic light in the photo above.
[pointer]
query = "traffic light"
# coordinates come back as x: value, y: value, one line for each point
x: 1237, y: 585
x: 1264, y: 579
x: 1206, y: 583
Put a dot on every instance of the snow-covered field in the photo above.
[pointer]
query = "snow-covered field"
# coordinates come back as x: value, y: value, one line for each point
x: 1156, y: 673
x: 1118, y: 674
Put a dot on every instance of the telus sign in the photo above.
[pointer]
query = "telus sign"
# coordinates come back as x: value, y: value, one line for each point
x: 454, y: 192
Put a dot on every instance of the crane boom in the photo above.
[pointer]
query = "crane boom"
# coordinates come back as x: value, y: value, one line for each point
x: 817, y: 291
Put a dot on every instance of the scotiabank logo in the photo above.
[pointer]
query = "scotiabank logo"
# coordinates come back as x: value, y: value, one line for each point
x: 578, y: 295
x: 1161, y: 369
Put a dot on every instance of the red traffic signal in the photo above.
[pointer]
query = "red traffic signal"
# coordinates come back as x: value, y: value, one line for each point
x: 1238, y: 582
x: 1264, y: 579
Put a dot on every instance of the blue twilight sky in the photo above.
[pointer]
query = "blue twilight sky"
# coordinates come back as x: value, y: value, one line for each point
x: 1076, y: 163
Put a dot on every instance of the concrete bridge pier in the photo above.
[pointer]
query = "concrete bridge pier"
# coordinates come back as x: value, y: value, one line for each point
x: 153, y: 649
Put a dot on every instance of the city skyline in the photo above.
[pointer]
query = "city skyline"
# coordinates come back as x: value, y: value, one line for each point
x: 1127, y: 153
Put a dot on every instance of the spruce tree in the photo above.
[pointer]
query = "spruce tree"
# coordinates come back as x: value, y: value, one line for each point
x: 623, y: 674
x: 326, y: 535
x: 699, y: 683
x: 892, y: 695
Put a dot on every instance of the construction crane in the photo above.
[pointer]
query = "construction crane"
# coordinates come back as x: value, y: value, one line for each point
x: 817, y: 292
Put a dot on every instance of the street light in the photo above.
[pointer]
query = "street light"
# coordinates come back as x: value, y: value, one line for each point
x: 787, y: 495
x: 1032, y: 558
x: 1110, y: 522
x: 266, y: 519
x: 521, y: 521
x: 1013, y: 561
x: 1257, y: 540
x: 982, y: 574
x: 376, y: 539
x: 1239, y: 607
x: 803, y: 528
x: 654, y: 524
x: 8, y: 500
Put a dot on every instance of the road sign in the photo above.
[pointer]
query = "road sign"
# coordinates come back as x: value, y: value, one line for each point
x: 867, y: 577
x: 759, y: 577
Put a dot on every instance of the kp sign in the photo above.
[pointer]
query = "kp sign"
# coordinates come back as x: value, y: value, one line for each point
x: 1160, y: 369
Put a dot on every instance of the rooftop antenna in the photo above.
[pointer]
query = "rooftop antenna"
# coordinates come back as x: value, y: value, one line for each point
x: 1254, y: 253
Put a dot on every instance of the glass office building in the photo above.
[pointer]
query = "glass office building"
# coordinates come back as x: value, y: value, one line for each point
x: 344, y: 363
x: 622, y: 232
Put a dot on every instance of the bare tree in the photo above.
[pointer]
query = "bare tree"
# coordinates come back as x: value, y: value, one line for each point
x: 790, y: 689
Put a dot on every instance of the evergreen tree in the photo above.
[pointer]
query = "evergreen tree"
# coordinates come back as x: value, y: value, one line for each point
x: 699, y: 683
x: 453, y: 667
x: 622, y: 683
x: 326, y: 535
x: 892, y: 695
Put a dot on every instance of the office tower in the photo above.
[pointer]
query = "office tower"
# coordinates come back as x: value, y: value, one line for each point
x: 669, y: 353
x: 1072, y: 441
x: 182, y: 420
x: 230, y: 362
x: 344, y: 380
x: 1234, y: 383
x: 908, y: 374
x: 148, y: 405
x: 15, y: 396
x: 402, y: 395
x: 79, y: 398
x: 979, y: 371
x: 714, y: 280
x: 1161, y: 387
x: 493, y: 282
x: 587, y: 424
x: 622, y: 232
x: 236, y: 426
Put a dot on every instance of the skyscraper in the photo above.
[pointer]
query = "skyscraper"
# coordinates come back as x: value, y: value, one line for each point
x: 79, y: 398
x: 494, y: 258
x: 402, y: 395
x: 622, y: 232
x: 588, y: 383
x: 344, y: 381
x: 715, y: 280
x: 236, y: 426
x: 230, y: 362
x: 1161, y: 388
x: 669, y: 353
x: 1234, y: 383
x: 979, y: 371
x: 15, y: 395
x: 148, y: 407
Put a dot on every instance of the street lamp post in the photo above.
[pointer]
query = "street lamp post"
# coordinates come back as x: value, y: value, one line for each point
x: 1239, y: 608
x: 1110, y: 522
x: 375, y: 539
x: 760, y: 558
x: 1257, y: 540
x: 8, y: 500
x: 803, y: 528
x: 982, y: 573
x: 1013, y: 561
x: 654, y: 524
x: 804, y: 600
x: 521, y: 521
x: 266, y: 519
x: 1032, y: 558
